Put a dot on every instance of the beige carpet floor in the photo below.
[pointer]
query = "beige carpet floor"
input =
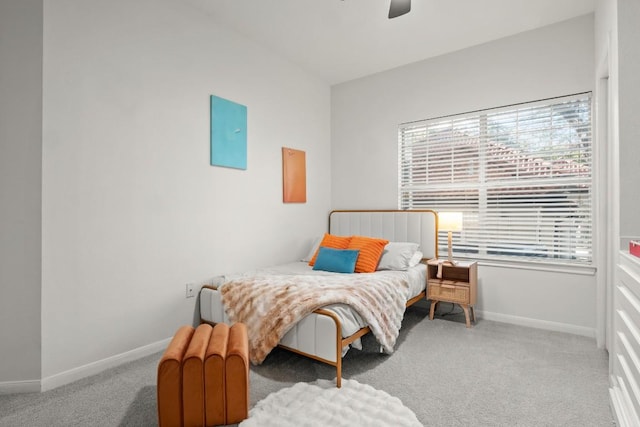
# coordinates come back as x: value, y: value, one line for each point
x: 493, y: 374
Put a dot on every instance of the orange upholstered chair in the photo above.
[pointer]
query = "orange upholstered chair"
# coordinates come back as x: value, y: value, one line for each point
x: 203, y: 377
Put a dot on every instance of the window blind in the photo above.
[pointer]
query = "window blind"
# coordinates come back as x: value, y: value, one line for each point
x: 521, y: 175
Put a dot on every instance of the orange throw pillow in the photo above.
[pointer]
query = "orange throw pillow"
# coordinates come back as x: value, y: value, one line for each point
x: 331, y: 241
x: 370, y: 252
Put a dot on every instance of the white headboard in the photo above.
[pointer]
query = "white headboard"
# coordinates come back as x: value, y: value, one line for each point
x: 419, y: 226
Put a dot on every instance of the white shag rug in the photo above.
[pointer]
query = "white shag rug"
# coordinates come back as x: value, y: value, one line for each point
x: 321, y: 403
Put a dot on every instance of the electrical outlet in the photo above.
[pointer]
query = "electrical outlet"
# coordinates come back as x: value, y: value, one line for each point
x: 190, y: 290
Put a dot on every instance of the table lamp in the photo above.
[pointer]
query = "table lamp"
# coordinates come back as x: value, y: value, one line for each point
x: 450, y: 221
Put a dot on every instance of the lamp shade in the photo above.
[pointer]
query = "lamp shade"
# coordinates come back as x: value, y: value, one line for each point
x: 450, y: 221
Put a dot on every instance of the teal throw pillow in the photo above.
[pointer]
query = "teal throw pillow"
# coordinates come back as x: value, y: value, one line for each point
x: 336, y: 260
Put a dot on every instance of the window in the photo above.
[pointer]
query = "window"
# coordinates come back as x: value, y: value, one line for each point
x: 521, y: 175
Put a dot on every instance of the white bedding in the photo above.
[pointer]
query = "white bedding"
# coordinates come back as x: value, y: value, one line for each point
x: 350, y: 320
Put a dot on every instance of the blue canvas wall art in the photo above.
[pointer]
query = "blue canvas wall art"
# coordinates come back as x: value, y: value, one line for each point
x: 228, y: 133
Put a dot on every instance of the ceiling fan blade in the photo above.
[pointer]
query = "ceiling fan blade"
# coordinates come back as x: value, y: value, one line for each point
x: 399, y: 8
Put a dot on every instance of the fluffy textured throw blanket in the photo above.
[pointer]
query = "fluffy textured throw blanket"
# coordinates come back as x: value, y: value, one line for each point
x: 271, y: 304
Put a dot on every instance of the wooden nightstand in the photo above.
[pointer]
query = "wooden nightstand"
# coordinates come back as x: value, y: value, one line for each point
x: 459, y: 285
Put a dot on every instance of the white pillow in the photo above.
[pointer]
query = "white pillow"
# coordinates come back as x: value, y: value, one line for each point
x: 398, y: 256
x: 314, y: 248
x: 415, y: 259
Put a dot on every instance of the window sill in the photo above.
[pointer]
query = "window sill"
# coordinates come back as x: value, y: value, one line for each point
x: 586, y: 270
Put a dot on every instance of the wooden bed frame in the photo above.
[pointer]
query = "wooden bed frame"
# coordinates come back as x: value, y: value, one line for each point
x: 394, y: 225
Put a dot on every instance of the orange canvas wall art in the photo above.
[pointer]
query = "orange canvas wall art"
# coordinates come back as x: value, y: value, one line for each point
x: 294, y: 176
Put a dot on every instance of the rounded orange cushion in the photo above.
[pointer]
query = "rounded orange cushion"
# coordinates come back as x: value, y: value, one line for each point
x: 370, y: 252
x: 331, y: 241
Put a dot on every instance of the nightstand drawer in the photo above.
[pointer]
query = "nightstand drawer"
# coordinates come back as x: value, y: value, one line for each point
x: 448, y: 292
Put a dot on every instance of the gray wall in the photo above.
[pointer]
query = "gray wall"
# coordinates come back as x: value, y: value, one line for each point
x: 365, y: 113
x: 20, y: 190
x: 629, y: 106
x: 132, y: 210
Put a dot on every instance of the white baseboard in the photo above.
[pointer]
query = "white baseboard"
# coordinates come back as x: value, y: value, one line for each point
x: 539, y: 324
x: 11, y: 387
x: 93, y: 368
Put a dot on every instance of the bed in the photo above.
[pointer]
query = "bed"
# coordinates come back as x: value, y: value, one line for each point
x: 327, y: 332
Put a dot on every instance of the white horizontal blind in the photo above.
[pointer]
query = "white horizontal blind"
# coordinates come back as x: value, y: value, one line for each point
x: 521, y: 175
